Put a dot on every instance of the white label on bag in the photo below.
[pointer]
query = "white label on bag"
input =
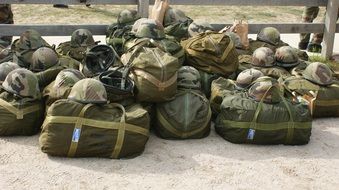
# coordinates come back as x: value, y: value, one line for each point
x: 76, y: 135
x: 251, y: 133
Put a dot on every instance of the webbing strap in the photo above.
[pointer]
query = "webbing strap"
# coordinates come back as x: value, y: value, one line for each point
x: 161, y: 85
x: 19, y: 113
x: 78, y: 125
x: 181, y: 134
x: 327, y: 102
x: 267, y: 126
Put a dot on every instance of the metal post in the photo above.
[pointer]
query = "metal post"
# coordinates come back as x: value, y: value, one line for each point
x: 330, y: 27
x: 143, y: 8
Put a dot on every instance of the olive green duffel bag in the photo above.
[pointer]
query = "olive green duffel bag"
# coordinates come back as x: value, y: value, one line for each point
x: 18, y: 116
x: 211, y: 52
x: 154, y: 73
x: 188, y: 116
x: 244, y: 120
x: 74, y: 129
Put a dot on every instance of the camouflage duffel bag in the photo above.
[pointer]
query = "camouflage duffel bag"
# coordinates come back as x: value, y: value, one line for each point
x: 18, y: 116
x: 74, y: 129
x: 244, y: 120
x: 211, y: 52
x: 154, y: 73
x: 188, y: 116
x: 77, y: 53
x: 206, y: 81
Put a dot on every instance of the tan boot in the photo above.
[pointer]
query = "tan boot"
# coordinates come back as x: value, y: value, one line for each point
x: 159, y: 9
x: 241, y: 28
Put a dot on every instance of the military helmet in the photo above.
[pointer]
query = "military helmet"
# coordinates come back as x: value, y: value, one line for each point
x: 198, y: 27
x: 43, y: 58
x: 318, y: 73
x: 263, y: 57
x: 235, y: 38
x: 247, y: 77
x: 99, y: 58
x: 188, y: 77
x: 82, y: 38
x: 128, y: 16
x: 67, y: 78
x: 286, y: 56
x: 269, y: 35
x: 31, y: 39
x: 88, y: 91
x: 266, y: 90
x: 22, y: 83
x: 173, y: 16
x: 148, y: 28
x: 6, y: 68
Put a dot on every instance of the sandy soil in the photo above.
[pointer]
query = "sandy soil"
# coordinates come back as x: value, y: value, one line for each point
x: 210, y: 163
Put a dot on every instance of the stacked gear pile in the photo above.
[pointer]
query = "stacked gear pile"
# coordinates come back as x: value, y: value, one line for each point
x: 72, y: 126
x: 176, y: 23
x: 21, y: 109
x: 188, y: 115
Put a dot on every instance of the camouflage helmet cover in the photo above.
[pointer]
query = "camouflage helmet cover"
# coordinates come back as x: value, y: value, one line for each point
x: 188, y: 77
x: 148, y: 28
x: 88, y: 91
x: 6, y: 68
x: 23, y: 83
x: 128, y: 16
x: 286, y: 56
x: 198, y: 27
x: 173, y: 16
x: 67, y: 78
x: 235, y: 38
x: 247, y: 77
x: 31, y: 39
x: 263, y: 57
x: 318, y: 73
x: 43, y: 58
x: 269, y: 35
x: 82, y: 38
x: 266, y: 90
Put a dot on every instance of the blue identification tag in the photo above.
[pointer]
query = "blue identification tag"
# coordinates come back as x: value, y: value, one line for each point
x: 76, y: 135
x: 251, y: 133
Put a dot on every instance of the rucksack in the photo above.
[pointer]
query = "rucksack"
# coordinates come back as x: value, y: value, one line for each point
x: 187, y: 116
x: 114, y: 36
x: 74, y: 129
x: 211, y: 52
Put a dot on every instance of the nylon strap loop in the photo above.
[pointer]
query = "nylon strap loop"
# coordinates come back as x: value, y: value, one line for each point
x: 19, y: 113
x: 161, y: 85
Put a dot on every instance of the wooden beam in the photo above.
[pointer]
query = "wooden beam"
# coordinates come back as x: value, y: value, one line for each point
x: 250, y: 2
x: 143, y: 8
x: 330, y: 28
x: 66, y: 30
x: 71, y: 2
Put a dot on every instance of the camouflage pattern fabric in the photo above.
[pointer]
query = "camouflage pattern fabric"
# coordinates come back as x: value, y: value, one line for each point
x: 148, y: 28
x: 309, y: 14
x: 236, y: 39
x: 43, y: 58
x: 188, y: 78
x: 198, y: 27
x: 286, y: 57
x: 176, y: 24
x: 269, y: 35
x: 82, y: 38
x: 6, y: 68
x: 318, y: 73
x: 247, y: 77
x: 88, y: 91
x: 263, y: 57
x: 22, y: 83
x: 128, y: 17
x: 265, y: 90
x: 6, y: 17
x: 255, y: 44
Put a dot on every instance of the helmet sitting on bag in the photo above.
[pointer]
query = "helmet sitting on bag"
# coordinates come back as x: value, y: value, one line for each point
x: 148, y: 28
x: 6, y: 68
x: 266, y: 90
x: 188, y: 77
x: 247, y: 77
x: 127, y: 16
x: 173, y: 16
x: 263, y: 57
x: 23, y: 83
x: 43, y: 59
x: 318, y: 73
x: 82, y: 38
x: 88, y: 91
x: 67, y: 78
x: 31, y: 39
x: 287, y: 57
x: 269, y: 35
x: 198, y: 27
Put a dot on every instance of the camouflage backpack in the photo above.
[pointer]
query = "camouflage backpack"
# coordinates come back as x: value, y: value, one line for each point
x: 24, y: 47
x: 256, y: 120
x: 176, y: 24
x: 116, y: 31
x: 154, y: 73
x: 21, y: 110
x: 211, y: 52
x: 81, y: 39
